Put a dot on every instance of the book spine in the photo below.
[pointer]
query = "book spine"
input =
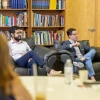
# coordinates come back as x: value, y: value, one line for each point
x: 0, y: 4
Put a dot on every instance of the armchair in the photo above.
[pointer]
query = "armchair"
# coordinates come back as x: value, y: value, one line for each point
x: 96, y: 63
x: 62, y: 56
x: 67, y: 54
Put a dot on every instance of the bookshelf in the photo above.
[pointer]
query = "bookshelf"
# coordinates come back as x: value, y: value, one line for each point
x: 48, y: 16
x: 51, y: 12
x: 16, y: 12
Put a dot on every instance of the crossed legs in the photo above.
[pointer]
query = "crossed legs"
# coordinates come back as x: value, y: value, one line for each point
x: 87, y: 59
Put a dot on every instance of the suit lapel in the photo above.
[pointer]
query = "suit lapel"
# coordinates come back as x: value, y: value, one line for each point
x: 81, y: 49
x: 72, y: 47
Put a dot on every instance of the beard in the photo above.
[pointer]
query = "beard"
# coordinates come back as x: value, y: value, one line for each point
x: 17, y: 38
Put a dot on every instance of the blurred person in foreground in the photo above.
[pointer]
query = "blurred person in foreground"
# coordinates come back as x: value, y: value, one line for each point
x: 10, y: 86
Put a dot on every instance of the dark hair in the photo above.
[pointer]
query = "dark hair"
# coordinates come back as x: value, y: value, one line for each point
x: 13, y: 28
x: 69, y: 31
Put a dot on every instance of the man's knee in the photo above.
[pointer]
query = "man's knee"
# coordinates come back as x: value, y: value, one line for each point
x: 31, y: 52
x: 93, y: 51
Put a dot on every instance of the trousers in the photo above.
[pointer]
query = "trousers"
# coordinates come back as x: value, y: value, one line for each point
x: 88, y: 62
x: 23, y: 61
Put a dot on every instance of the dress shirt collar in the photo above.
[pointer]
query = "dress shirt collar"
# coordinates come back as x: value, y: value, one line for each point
x: 12, y: 41
x: 71, y: 41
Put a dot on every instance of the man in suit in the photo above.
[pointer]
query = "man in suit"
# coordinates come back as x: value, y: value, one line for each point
x: 82, y: 53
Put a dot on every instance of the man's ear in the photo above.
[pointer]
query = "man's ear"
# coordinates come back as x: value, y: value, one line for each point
x: 69, y: 36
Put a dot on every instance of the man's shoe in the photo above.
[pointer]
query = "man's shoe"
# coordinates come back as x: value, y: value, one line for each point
x: 78, y: 60
x: 78, y: 64
x: 54, y: 73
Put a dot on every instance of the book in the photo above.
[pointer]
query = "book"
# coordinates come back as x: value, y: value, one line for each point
x: 53, y: 4
x: 0, y: 4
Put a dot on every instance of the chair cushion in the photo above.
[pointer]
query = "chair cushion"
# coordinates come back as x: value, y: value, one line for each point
x: 30, y: 42
x: 97, y: 55
x: 96, y: 66
x: 86, y: 42
x: 23, y: 71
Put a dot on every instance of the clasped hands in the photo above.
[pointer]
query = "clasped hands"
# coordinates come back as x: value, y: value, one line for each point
x: 76, y: 44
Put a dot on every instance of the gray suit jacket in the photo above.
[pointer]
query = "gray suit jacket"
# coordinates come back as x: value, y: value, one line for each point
x: 83, y: 48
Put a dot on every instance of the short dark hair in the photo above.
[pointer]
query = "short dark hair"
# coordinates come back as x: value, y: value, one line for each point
x: 13, y: 28
x: 69, y: 31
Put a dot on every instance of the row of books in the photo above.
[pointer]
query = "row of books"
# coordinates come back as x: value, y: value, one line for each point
x: 20, y: 19
x: 47, y: 20
x: 57, y: 4
x: 13, y: 4
x: 8, y: 36
x: 48, y: 4
x: 47, y: 37
x: 6, y: 33
x: 40, y: 4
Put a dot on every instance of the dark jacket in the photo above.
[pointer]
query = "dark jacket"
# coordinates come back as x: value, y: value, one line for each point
x: 83, y: 48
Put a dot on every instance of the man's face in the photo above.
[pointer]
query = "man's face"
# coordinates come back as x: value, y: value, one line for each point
x: 17, y: 35
x: 74, y: 36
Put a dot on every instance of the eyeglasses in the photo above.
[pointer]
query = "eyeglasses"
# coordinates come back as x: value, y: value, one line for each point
x: 18, y: 32
x: 74, y: 34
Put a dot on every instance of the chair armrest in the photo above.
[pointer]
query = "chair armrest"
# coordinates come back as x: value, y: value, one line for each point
x: 97, y: 55
x: 59, y: 51
x: 66, y: 52
x: 44, y: 53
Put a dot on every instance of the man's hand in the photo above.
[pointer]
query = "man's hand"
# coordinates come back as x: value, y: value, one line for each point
x: 23, y: 53
x: 76, y: 44
x: 29, y: 59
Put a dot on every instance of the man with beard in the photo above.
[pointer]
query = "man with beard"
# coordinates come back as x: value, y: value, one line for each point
x: 83, y: 54
x: 23, y: 55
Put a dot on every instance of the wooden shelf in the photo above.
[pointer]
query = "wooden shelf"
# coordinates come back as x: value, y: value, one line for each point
x: 13, y: 9
x: 48, y: 9
x: 10, y: 26
x: 30, y: 16
x: 49, y: 27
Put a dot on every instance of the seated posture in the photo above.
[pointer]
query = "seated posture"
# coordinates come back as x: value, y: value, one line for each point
x: 11, y: 87
x: 78, y: 50
x: 23, y: 55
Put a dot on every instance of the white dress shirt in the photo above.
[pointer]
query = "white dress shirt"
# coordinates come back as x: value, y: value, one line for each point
x: 18, y: 48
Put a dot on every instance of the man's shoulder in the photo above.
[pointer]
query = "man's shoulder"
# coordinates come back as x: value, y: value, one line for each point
x: 24, y: 42
x: 66, y: 42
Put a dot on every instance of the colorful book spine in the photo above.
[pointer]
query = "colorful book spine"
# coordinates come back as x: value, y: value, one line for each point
x: 48, y: 20
x: 53, y: 4
x: 0, y: 4
x: 47, y: 37
x: 20, y: 19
